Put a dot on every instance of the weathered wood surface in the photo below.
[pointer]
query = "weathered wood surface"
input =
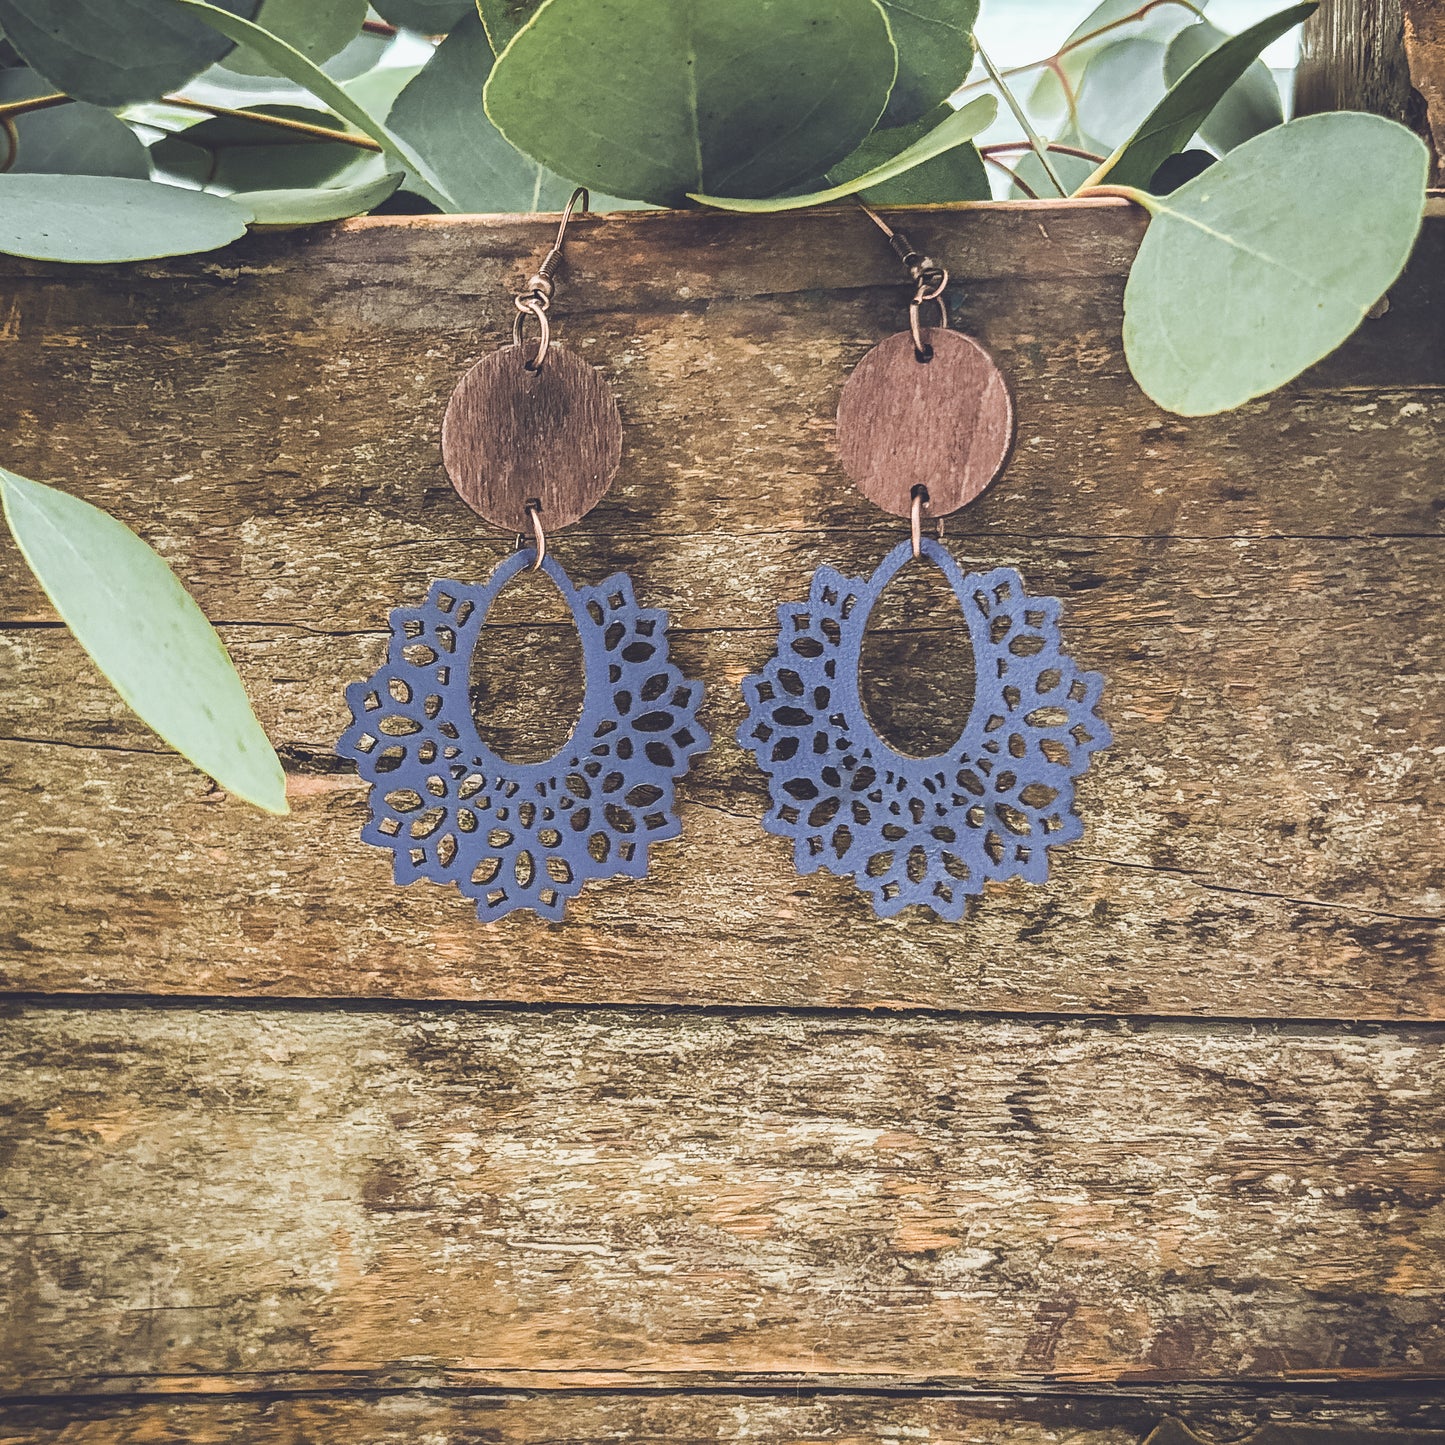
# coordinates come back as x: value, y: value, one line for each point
x: 1383, y: 56
x: 1262, y: 589
x: 776, y: 1217
x: 795, y: 1416
x: 210, y: 1199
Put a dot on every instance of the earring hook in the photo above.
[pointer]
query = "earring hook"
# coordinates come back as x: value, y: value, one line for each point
x: 541, y: 284
x: 929, y: 278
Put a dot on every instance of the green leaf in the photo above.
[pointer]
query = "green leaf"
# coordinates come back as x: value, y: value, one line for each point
x: 143, y: 631
x: 76, y: 139
x: 430, y: 17
x: 105, y: 218
x: 440, y: 114
x: 248, y: 155
x: 503, y: 19
x: 1249, y: 106
x: 322, y: 203
x: 1170, y: 126
x: 114, y: 52
x: 655, y: 100
x: 1114, y: 22
x: 956, y: 175
x: 317, y: 28
x: 935, y: 54
x: 959, y: 127
x: 1122, y: 84
x: 1267, y: 262
x: 289, y: 62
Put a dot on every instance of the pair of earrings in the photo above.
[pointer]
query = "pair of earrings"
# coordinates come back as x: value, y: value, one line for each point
x: 531, y: 441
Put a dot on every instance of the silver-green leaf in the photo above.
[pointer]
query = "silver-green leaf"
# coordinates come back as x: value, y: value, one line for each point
x: 1267, y: 261
x: 115, y: 52
x: 107, y: 218
x: 1186, y: 105
x: 1251, y: 105
x: 654, y: 100
x: 959, y: 128
x: 144, y: 632
x: 440, y: 114
x: 75, y: 139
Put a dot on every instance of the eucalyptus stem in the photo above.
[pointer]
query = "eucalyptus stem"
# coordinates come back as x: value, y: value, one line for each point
x: 1040, y: 149
x: 1000, y: 147
x: 1052, y: 61
x: 1012, y: 174
x: 13, y: 108
x: 301, y: 127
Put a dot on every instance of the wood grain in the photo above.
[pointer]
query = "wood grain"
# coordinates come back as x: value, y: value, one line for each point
x: 798, y: 1415
x: 203, y: 1199
x: 1262, y: 590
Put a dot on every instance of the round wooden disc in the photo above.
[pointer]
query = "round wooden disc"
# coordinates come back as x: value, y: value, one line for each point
x: 945, y: 424
x: 511, y: 435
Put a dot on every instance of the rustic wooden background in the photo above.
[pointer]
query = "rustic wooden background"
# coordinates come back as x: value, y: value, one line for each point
x: 291, y: 1154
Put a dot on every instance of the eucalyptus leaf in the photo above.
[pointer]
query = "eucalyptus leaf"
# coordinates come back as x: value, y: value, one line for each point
x: 956, y: 175
x: 1267, y: 261
x: 76, y: 139
x: 317, y: 28
x: 323, y: 203
x: 106, y: 218
x: 1122, y: 84
x: 504, y: 18
x: 248, y: 155
x: 441, y: 116
x: 114, y: 52
x: 960, y: 127
x: 145, y: 633
x: 1114, y: 22
x: 1249, y: 106
x: 289, y: 62
x: 430, y: 17
x: 1170, y: 126
x: 656, y: 101
x: 935, y: 53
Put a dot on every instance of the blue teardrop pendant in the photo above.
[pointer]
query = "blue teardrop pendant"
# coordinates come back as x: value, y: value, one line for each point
x: 924, y: 830
x: 523, y: 835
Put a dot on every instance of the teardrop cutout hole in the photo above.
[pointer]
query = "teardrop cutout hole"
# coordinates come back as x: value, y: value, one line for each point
x: 916, y: 666
x: 525, y: 678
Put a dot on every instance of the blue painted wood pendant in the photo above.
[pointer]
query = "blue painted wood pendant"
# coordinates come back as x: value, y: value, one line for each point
x: 523, y: 835
x: 924, y: 830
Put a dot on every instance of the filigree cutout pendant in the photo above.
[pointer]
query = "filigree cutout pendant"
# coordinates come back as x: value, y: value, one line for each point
x: 923, y: 830
x: 523, y: 835
x: 531, y: 441
x: 925, y: 424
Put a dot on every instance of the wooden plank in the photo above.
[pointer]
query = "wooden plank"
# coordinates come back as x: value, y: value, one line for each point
x: 1254, y: 840
x: 1261, y: 588
x: 798, y: 1416
x: 202, y: 1199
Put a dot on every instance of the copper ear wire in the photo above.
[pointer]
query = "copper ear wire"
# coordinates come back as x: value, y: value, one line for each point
x: 930, y: 280
x: 541, y: 285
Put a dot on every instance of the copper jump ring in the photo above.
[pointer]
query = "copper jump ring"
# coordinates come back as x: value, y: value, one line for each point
x: 533, y: 304
x: 915, y: 521
x: 539, y: 537
x: 930, y: 288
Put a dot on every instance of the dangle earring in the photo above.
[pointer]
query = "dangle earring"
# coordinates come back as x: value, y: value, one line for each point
x: 924, y: 425
x: 531, y: 440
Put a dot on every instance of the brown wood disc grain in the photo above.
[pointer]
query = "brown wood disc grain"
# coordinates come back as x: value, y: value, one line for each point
x: 945, y: 424
x: 511, y: 435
